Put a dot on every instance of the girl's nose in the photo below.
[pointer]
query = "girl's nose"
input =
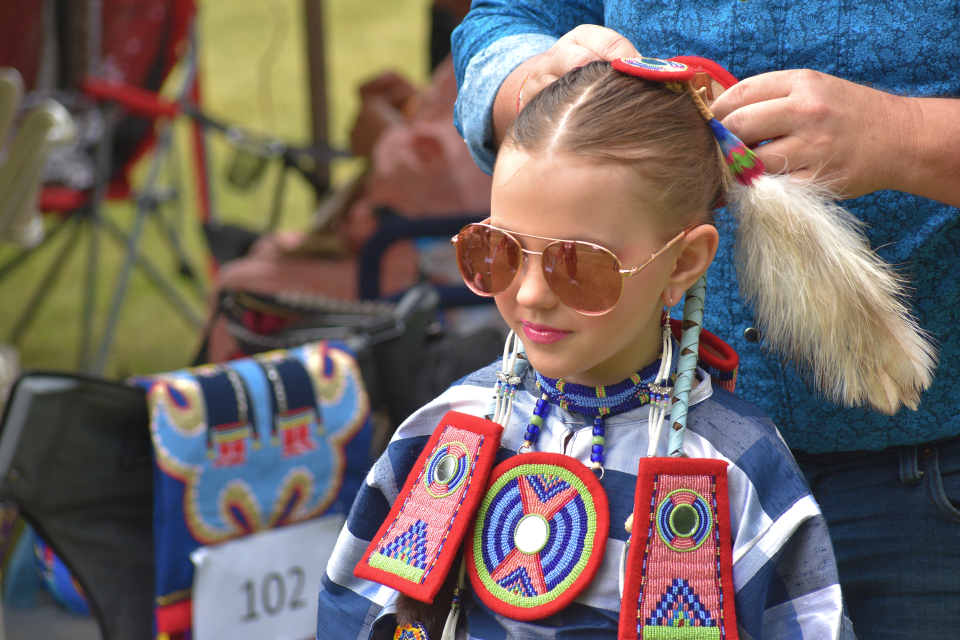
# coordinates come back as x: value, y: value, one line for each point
x: 533, y: 291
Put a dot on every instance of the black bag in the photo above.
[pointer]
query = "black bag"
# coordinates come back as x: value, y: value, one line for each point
x: 75, y: 456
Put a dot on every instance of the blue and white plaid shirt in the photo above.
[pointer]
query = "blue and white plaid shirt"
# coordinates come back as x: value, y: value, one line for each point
x: 784, y: 571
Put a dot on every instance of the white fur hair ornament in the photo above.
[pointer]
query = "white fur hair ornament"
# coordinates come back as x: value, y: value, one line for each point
x: 822, y: 298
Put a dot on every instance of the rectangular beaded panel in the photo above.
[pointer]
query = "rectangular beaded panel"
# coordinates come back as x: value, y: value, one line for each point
x: 679, y: 577
x: 415, y: 547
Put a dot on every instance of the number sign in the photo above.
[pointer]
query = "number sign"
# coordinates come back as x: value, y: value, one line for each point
x: 264, y: 585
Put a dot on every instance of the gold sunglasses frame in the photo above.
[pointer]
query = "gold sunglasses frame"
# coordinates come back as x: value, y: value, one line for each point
x: 625, y: 273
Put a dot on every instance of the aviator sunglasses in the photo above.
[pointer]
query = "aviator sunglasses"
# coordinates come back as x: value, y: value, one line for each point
x: 584, y: 276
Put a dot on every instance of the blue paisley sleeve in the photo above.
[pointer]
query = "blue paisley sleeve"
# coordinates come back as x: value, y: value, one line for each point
x: 492, y: 41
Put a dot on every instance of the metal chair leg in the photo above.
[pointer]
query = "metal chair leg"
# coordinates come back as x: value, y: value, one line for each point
x: 152, y: 272
x: 48, y: 280
x: 94, y: 217
x: 11, y: 265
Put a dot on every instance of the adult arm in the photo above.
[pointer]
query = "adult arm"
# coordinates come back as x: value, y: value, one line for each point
x: 500, y: 44
x: 857, y: 139
x: 582, y: 45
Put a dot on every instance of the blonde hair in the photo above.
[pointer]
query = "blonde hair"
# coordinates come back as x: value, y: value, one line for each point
x: 600, y: 115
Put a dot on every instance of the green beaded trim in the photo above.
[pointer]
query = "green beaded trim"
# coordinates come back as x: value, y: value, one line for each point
x: 398, y: 567
x: 651, y: 632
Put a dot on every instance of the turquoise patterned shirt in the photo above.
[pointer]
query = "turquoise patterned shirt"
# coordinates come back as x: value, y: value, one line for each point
x: 909, y: 47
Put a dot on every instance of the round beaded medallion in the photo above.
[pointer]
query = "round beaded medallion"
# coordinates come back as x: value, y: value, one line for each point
x: 654, y: 69
x: 539, y: 535
x: 446, y: 469
x: 684, y: 520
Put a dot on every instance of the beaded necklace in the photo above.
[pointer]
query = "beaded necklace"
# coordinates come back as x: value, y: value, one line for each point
x: 641, y: 388
x: 511, y: 537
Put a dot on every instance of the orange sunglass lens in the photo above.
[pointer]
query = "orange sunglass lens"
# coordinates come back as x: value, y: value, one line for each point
x: 585, y: 278
x: 488, y: 259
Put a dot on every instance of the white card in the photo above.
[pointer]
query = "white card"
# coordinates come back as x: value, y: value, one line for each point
x: 264, y: 585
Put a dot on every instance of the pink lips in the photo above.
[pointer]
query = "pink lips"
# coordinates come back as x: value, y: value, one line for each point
x: 542, y: 334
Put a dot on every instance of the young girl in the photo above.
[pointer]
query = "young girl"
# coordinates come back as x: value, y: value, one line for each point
x: 601, y: 216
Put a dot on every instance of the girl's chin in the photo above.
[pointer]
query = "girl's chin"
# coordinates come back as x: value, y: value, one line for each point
x: 554, y: 368
x: 579, y: 373
x: 562, y: 363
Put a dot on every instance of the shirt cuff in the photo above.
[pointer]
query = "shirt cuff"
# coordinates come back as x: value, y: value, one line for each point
x: 473, y: 113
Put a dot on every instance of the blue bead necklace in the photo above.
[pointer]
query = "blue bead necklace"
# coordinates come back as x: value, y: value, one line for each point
x: 649, y: 386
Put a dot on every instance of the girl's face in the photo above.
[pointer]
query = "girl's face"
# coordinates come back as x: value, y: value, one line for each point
x: 558, y: 196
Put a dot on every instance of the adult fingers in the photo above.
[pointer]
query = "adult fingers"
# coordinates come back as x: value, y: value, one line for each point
x: 775, y: 155
x: 605, y: 44
x: 836, y: 182
x: 795, y: 156
x: 766, y: 86
x: 554, y: 64
x: 581, y: 46
x: 560, y: 60
x: 762, y: 121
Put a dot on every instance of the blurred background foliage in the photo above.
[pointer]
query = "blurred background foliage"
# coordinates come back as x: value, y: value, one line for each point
x: 254, y: 74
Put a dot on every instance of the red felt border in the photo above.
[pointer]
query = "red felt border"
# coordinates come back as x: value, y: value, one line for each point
x: 174, y: 618
x: 593, y: 563
x: 650, y: 467
x: 427, y: 590
x: 718, y: 353
x: 694, y: 64
x: 653, y: 74
x: 711, y: 68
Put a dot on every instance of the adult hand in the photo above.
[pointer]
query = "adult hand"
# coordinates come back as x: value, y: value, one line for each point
x: 849, y: 136
x: 577, y: 48
x: 582, y: 45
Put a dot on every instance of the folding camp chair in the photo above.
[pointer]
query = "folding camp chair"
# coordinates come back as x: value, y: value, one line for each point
x: 139, y: 44
x: 75, y: 457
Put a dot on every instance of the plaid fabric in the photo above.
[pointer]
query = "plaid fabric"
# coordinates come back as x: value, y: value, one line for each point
x: 784, y: 572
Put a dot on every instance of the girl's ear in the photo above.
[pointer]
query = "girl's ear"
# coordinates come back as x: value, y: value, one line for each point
x: 695, y: 252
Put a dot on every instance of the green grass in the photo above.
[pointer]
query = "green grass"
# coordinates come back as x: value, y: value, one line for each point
x: 254, y: 74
